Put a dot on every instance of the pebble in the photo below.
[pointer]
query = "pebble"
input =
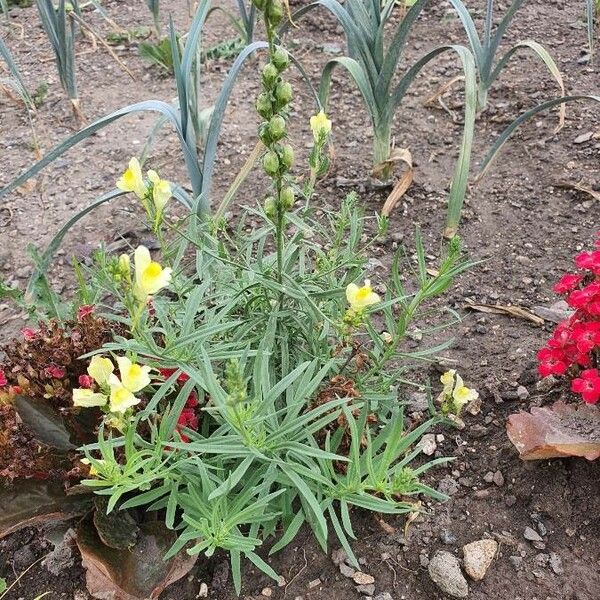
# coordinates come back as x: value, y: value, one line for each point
x: 522, y: 393
x: 267, y: 592
x: 428, y: 444
x: 347, y: 571
x: 532, y: 535
x: 556, y: 563
x: 478, y: 556
x: 363, y: 578
x: 367, y: 590
x: 447, y: 537
x: 314, y: 583
x: 203, y: 591
x: 498, y: 478
x: 383, y: 596
x: 510, y: 500
x: 515, y: 561
x: 444, y: 570
x: 584, y: 137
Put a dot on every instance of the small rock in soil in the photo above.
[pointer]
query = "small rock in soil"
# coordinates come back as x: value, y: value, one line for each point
x: 498, y: 478
x: 383, y: 596
x: 314, y: 583
x: 556, y: 563
x: 532, y: 535
x: 267, y: 592
x: 444, y: 570
x: 447, y: 537
x: 203, y: 591
x: 339, y: 556
x: 363, y: 578
x: 448, y: 486
x: 515, y: 561
x: 367, y: 590
x: 347, y: 571
x: 428, y: 444
x: 522, y: 393
x: 478, y: 557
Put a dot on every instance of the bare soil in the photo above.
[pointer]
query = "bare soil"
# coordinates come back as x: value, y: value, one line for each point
x: 518, y: 221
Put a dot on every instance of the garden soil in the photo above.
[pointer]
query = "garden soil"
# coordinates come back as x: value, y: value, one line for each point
x: 522, y: 222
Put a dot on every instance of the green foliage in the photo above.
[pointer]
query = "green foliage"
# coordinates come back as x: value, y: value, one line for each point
x: 154, y: 6
x: 160, y: 53
x: 373, y: 67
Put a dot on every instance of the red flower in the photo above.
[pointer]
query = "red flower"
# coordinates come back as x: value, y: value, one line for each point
x: 15, y: 390
x: 588, y: 385
x: 85, y: 381
x: 84, y: 311
x: 582, y: 298
x: 181, y: 378
x: 55, y: 372
x: 586, y: 336
x: 589, y: 261
x: 188, y: 419
x: 29, y: 333
x: 552, y: 362
x: 567, y: 283
x: 192, y: 400
x: 3, y: 380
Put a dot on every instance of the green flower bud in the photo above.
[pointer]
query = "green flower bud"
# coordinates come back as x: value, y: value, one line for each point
x: 264, y: 106
x: 281, y: 59
x: 274, y: 12
x: 287, y: 156
x: 271, y: 163
x: 271, y: 207
x: 283, y: 93
x: 264, y: 134
x: 277, y: 127
x: 287, y: 198
x: 269, y: 75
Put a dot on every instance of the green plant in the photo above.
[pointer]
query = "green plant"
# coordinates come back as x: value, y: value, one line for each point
x: 592, y: 10
x: 245, y: 23
x: 373, y: 67
x: 486, y: 47
x: 60, y: 29
x: 160, y: 53
x: 154, y: 6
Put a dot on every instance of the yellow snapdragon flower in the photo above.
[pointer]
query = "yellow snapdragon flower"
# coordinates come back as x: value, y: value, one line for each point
x: 93, y: 470
x: 120, y: 397
x: 462, y: 394
x: 134, y: 377
x: 86, y: 398
x: 320, y: 126
x: 161, y: 191
x: 100, y: 369
x: 447, y: 380
x: 455, y: 394
x: 150, y: 277
x: 132, y: 180
x: 361, y: 297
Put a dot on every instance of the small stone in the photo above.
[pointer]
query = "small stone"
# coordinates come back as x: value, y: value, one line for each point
x: 515, y: 561
x: 584, y: 137
x: 478, y: 557
x: 444, y: 570
x: 347, y: 571
x: 363, y: 578
x: 522, y: 393
x: 367, y: 590
x: 532, y: 535
x: 428, y: 444
x: 498, y: 478
x: 448, y: 486
x: 314, y: 583
x: 383, y: 596
x: 488, y: 477
x: 447, y: 537
x: 556, y: 563
x: 267, y: 592
x: 339, y: 556
x: 510, y: 500
x: 203, y: 591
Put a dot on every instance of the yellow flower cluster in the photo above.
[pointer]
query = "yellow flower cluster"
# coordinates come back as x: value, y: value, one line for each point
x: 150, y: 276
x: 117, y: 392
x: 360, y: 298
x: 158, y: 190
x: 455, y: 394
x: 320, y: 126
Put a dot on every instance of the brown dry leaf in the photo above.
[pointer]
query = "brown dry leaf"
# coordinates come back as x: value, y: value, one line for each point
x: 136, y: 573
x: 398, y: 155
x: 555, y: 431
x: 512, y: 311
x: 581, y: 187
x: 432, y: 100
x: 386, y: 527
x: 411, y: 517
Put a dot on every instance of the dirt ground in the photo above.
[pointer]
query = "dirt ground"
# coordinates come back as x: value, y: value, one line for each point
x: 518, y: 221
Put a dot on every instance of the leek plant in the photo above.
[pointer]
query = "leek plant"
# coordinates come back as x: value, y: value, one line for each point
x: 154, y: 6
x: 485, y: 48
x: 373, y: 66
x: 60, y: 29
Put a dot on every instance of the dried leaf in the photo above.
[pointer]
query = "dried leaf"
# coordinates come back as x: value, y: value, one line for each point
x: 398, y: 155
x: 137, y: 573
x: 411, y: 517
x: 581, y: 187
x: 26, y: 502
x: 512, y: 311
x: 555, y: 431
x: 116, y: 529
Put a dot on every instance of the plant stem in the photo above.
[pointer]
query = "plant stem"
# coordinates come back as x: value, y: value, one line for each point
x: 381, y: 149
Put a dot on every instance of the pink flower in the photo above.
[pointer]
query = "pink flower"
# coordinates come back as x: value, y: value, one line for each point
x: 589, y: 261
x: 85, y: 381
x: 3, y: 380
x: 552, y: 362
x: 586, y: 336
x: 84, y: 311
x: 55, y: 372
x: 581, y: 298
x: 29, y: 333
x: 588, y: 386
x: 567, y: 283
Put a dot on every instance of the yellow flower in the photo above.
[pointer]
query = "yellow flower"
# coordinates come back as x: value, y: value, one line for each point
x: 361, y: 297
x: 447, y: 380
x: 161, y: 191
x: 321, y: 126
x: 93, y: 470
x: 87, y: 398
x: 124, y: 264
x: 132, y: 180
x: 120, y: 397
x: 150, y: 277
x: 133, y: 377
x: 100, y: 369
x: 462, y: 394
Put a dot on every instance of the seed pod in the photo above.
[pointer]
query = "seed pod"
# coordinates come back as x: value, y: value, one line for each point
x: 274, y: 12
x: 269, y: 75
x: 281, y: 59
x: 287, y: 198
x: 264, y: 134
x: 264, y: 106
x: 287, y: 156
x: 271, y: 163
x: 277, y: 127
x: 283, y: 93
x: 271, y: 207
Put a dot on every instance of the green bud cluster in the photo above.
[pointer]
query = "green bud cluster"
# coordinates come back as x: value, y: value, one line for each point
x: 272, y: 106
